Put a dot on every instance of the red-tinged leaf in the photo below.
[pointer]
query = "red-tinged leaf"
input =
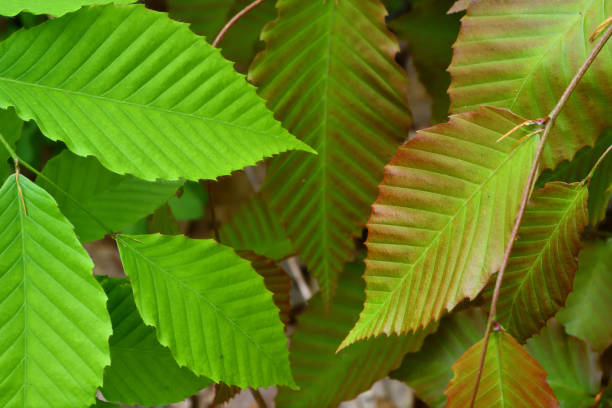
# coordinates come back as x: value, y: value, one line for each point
x: 522, y: 54
x: 276, y: 280
x: 442, y: 220
x: 511, y: 378
x: 330, y: 76
x: 543, y: 261
x: 587, y: 312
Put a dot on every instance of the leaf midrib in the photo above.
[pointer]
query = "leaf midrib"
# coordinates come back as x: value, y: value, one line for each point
x: 199, y: 295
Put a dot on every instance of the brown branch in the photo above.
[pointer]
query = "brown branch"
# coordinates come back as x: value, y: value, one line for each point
x: 526, y: 192
x: 237, y: 17
x: 261, y: 402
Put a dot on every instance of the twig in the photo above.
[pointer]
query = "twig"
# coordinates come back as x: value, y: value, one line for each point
x: 258, y: 398
x: 526, y: 192
x: 237, y: 17
x: 596, y: 165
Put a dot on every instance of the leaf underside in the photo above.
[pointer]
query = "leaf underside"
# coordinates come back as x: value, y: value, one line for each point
x: 56, y: 8
x: 105, y: 94
x: 142, y: 371
x: 428, y: 371
x: 117, y: 201
x: 543, y: 260
x: 585, y: 314
x: 522, y: 54
x: 442, y: 219
x: 54, y: 326
x: 341, y: 92
x: 511, y: 378
x: 223, y: 304
x: 573, y: 372
x: 327, y: 378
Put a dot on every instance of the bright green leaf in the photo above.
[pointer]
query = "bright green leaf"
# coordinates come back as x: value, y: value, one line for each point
x: 573, y: 372
x: 54, y: 327
x: 55, y: 8
x: 442, y: 220
x: 225, y: 325
x: 511, y: 378
x: 543, y: 260
x: 327, y: 378
x: 117, y: 201
x: 522, y: 54
x: 140, y: 92
x: 329, y: 74
x: 428, y: 371
x: 142, y: 371
x: 586, y: 311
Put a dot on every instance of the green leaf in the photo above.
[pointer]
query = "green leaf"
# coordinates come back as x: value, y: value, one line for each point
x: 579, y: 168
x: 573, y: 372
x: 142, y: 371
x: 190, y: 205
x: 522, y: 54
x: 103, y: 404
x: 10, y: 129
x: 207, y: 18
x: 221, y: 322
x: 117, y: 201
x: 442, y: 220
x: 428, y: 371
x: 329, y: 74
x: 584, y: 315
x: 327, y: 378
x: 55, y: 8
x: 510, y: 377
x: 163, y: 221
x: 543, y: 260
x: 256, y: 228
x: 54, y: 327
x: 140, y: 92
x: 430, y: 33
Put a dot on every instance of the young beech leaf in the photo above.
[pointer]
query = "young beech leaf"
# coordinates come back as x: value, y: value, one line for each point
x: 327, y: 378
x: 117, y: 201
x: 55, y: 8
x: 522, y: 54
x: 573, y: 371
x: 140, y: 92
x: 209, y: 307
x: 442, y: 220
x: 54, y: 327
x: 142, y: 371
x: 428, y: 371
x: 329, y: 74
x: 586, y: 313
x: 511, y: 378
x: 543, y: 260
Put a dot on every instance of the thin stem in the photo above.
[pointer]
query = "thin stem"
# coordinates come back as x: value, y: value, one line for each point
x: 596, y: 165
x: 237, y: 17
x: 526, y: 192
x: 258, y: 398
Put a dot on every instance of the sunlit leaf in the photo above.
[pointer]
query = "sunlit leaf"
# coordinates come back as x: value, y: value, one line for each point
x: 55, y: 8
x: 329, y: 75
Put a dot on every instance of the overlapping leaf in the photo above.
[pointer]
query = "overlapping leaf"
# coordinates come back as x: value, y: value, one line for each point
x: 511, y: 378
x: 543, y: 261
x: 142, y: 371
x: 54, y: 326
x: 55, y: 8
x: 117, y: 201
x: 327, y: 378
x: 329, y: 74
x: 573, y: 372
x: 209, y: 307
x: 522, y: 54
x: 586, y: 312
x: 256, y: 228
x: 140, y: 92
x: 441, y: 221
x: 10, y: 129
x: 428, y: 371
x: 579, y: 168
x: 190, y: 205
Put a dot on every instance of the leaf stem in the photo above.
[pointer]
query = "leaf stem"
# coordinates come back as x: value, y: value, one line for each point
x: 596, y: 165
x: 233, y: 21
x: 526, y: 193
